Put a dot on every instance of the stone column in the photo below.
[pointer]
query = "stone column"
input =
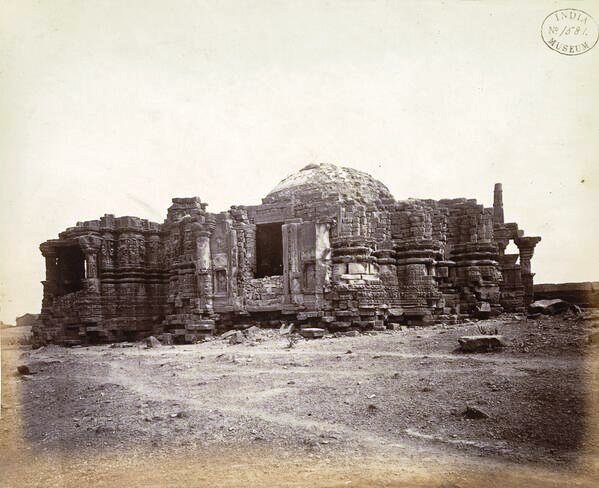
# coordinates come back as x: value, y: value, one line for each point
x: 91, y: 263
x: 90, y: 308
x: 204, y: 270
x: 51, y: 282
x: 498, y: 204
x: 387, y: 264
x: 415, y: 264
x: 322, y: 258
x: 526, y: 246
x: 107, y: 251
x: 292, y: 276
x: 90, y: 246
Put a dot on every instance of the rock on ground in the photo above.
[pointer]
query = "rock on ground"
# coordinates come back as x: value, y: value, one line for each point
x: 474, y: 413
x: 552, y: 307
x: 481, y: 343
x: 152, y: 342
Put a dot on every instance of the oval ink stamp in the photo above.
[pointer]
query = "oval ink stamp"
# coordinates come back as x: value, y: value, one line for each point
x: 570, y: 31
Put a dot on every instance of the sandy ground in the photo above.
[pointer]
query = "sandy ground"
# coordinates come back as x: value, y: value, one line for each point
x: 374, y: 410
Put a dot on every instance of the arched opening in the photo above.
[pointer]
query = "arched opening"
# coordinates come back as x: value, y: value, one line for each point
x: 512, y: 249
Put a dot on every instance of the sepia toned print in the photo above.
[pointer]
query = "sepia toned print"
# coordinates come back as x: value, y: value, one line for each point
x: 299, y: 244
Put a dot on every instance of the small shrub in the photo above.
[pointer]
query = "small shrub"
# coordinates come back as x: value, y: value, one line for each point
x: 292, y: 341
x: 487, y: 331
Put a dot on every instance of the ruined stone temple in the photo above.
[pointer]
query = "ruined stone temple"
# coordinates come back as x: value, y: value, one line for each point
x: 328, y: 248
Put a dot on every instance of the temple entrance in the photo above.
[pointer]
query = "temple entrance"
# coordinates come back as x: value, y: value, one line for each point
x: 269, y: 250
x: 71, y: 269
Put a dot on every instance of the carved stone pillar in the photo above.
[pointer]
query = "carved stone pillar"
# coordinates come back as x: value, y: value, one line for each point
x: 153, y: 250
x: 477, y: 274
x: 204, y: 270
x: 526, y: 246
x: 90, y: 307
x: 498, y: 204
x: 91, y: 263
x: 51, y: 282
x: 353, y: 260
x: 415, y: 266
x: 322, y: 259
x: 387, y: 265
x: 90, y: 246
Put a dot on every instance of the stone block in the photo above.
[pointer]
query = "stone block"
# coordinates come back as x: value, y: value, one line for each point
x: 481, y: 343
x: 312, y: 333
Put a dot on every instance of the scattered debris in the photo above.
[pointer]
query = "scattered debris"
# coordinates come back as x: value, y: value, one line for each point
x: 120, y: 345
x: 166, y: 339
x: 252, y: 332
x: 484, y: 331
x: 236, y: 338
x: 179, y: 415
x: 347, y: 333
x: 152, y: 342
x: 286, y: 329
x: 228, y: 334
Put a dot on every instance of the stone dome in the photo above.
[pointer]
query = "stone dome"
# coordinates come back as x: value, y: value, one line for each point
x: 317, y: 182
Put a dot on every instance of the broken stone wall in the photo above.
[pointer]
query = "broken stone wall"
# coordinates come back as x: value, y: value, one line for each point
x: 584, y: 295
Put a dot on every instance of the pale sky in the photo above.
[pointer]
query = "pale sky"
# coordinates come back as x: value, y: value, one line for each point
x: 116, y: 107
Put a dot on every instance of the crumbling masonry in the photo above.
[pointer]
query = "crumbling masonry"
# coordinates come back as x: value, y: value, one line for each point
x: 329, y: 247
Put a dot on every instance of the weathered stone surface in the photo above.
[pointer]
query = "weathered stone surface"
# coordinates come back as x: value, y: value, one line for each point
x: 481, y: 343
x: 329, y: 247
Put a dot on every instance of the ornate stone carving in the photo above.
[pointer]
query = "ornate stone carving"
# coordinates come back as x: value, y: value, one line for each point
x: 351, y: 257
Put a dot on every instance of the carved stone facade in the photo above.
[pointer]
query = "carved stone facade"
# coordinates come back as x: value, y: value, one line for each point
x: 328, y: 247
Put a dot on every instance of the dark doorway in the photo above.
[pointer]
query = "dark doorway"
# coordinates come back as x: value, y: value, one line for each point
x: 71, y: 269
x: 269, y: 250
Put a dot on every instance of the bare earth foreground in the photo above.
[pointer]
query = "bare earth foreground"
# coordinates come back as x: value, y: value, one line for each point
x: 375, y: 410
